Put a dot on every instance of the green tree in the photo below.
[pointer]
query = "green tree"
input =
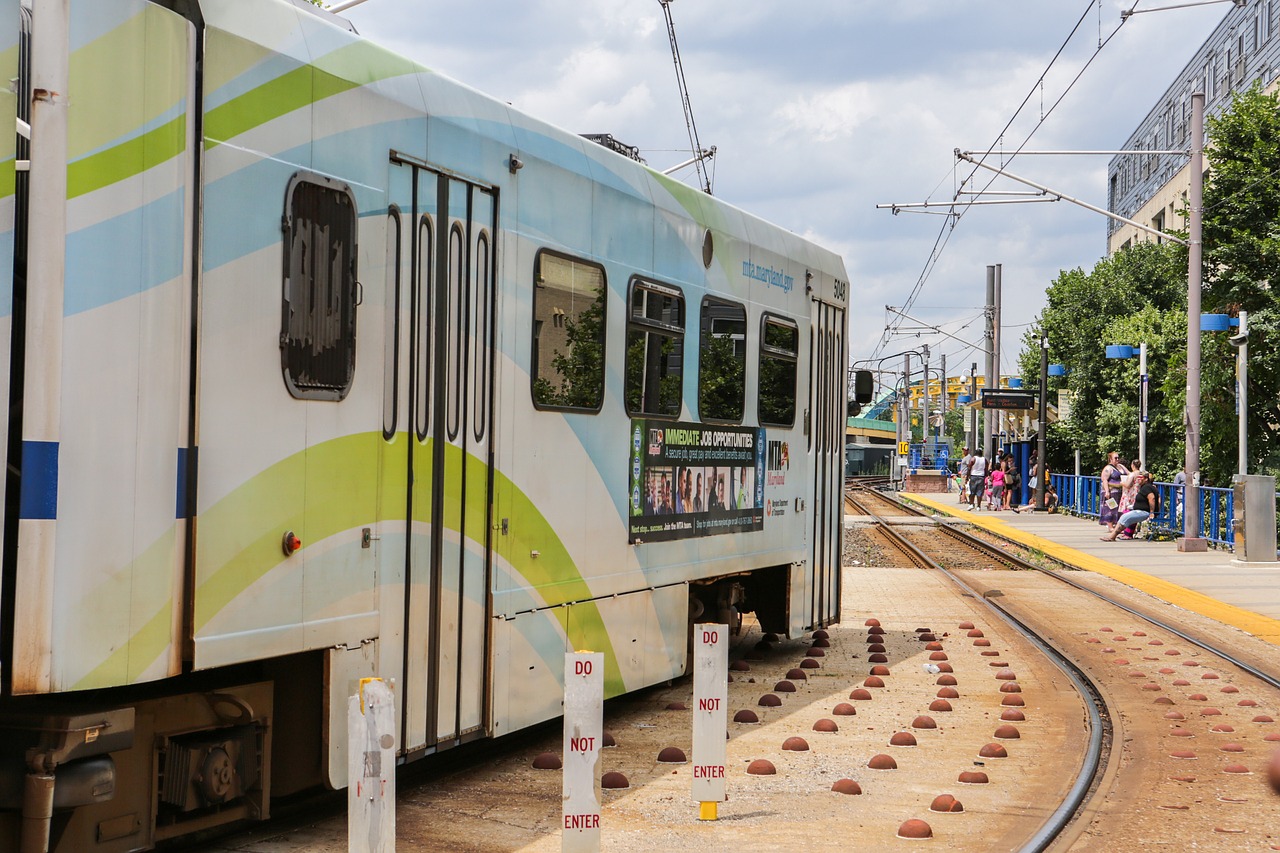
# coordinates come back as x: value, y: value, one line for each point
x: 1135, y: 296
x: 1242, y: 260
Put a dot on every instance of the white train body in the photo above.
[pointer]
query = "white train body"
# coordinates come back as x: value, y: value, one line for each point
x: 324, y: 367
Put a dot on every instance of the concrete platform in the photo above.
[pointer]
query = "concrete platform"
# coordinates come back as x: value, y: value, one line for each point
x: 1211, y: 583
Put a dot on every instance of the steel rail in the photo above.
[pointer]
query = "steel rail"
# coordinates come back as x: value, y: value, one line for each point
x: 1181, y: 633
x: 1099, y: 717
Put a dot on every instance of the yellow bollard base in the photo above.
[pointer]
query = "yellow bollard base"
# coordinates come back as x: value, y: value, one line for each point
x: 708, y: 811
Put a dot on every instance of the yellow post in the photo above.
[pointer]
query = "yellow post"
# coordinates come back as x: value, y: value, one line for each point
x: 708, y: 811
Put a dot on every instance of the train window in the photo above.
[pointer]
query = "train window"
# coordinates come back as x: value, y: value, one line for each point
x: 655, y: 350
x: 318, y: 326
x: 722, y: 367
x: 391, y: 327
x: 568, y: 333
x: 779, y: 351
x: 422, y: 329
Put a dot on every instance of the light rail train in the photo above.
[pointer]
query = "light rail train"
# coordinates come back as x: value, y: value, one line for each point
x: 323, y: 367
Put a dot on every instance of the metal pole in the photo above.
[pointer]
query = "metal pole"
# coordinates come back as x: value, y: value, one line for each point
x: 997, y: 373
x: 1191, y: 540
x: 924, y: 399
x: 1242, y: 392
x: 1042, y: 415
x: 988, y: 418
x: 1143, y: 414
x: 973, y: 413
x: 943, y: 398
x: 907, y: 435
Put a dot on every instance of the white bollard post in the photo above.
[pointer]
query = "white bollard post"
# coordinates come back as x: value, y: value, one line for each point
x: 710, y: 698
x: 371, y: 769
x: 583, y: 729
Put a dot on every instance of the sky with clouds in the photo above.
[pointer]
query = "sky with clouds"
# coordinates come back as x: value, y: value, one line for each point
x: 822, y: 109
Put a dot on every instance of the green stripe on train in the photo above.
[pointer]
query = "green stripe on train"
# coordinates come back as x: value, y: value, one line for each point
x: 350, y: 67
x: 348, y: 499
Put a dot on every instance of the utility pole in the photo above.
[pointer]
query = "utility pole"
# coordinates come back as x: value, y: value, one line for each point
x: 1192, y: 540
x: 1242, y: 392
x: 1042, y: 415
x: 995, y: 343
x: 944, y: 396
x: 924, y: 398
x: 973, y: 413
x: 989, y: 338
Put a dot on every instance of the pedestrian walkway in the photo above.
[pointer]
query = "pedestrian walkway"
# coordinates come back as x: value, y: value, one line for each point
x: 1207, y: 583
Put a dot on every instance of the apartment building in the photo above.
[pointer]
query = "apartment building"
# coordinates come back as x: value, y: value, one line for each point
x: 1151, y: 187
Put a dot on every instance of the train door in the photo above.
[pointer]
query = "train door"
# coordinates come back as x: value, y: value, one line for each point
x: 826, y: 395
x: 447, y: 327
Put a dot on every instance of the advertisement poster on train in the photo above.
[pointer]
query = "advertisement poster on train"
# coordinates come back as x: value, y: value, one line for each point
x: 692, y: 480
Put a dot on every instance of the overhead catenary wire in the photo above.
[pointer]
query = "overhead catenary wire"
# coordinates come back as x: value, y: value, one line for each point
x: 961, y: 207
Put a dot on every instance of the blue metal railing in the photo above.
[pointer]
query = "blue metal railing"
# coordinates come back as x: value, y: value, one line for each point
x: 1083, y: 496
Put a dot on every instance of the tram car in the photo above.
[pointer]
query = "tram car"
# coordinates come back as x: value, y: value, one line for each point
x: 324, y: 367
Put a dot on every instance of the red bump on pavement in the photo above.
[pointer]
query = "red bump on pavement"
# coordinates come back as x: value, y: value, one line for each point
x: 846, y: 786
x: 945, y: 803
x: 546, y: 761
x: 915, y: 828
x: 672, y: 755
x: 761, y: 767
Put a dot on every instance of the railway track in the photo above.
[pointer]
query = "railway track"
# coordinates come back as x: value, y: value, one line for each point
x: 1219, y: 655
x: 1098, y: 714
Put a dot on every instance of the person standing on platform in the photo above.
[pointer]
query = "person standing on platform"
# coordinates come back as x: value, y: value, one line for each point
x: 962, y: 476
x: 1012, y: 482
x: 996, y: 499
x: 1112, y: 478
x: 977, y: 475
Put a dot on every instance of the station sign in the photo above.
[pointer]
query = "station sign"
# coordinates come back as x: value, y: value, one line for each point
x: 1005, y: 398
x: 583, y: 729
x: 710, y: 700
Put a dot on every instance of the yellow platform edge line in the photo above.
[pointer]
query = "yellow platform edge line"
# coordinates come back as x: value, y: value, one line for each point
x: 1262, y: 627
